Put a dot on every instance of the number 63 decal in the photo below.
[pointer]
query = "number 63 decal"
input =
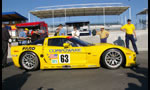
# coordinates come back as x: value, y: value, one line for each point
x: 64, y: 58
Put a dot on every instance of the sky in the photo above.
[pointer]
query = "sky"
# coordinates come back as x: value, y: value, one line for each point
x: 24, y: 6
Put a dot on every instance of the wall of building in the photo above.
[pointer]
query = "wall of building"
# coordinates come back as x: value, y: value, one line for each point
x: 142, y: 39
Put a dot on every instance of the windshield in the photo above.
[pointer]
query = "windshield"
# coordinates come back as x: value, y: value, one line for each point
x: 81, y: 42
x: 40, y: 41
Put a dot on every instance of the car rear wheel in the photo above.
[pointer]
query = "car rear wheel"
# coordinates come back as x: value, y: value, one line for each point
x: 29, y: 61
x: 112, y: 58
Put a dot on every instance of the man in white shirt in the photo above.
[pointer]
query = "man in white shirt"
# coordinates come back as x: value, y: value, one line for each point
x: 75, y: 32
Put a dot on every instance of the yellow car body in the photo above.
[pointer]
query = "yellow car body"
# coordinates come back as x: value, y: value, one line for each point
x: 58, y: 57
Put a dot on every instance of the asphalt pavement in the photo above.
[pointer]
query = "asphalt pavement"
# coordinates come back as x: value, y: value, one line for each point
x: 14, y: 78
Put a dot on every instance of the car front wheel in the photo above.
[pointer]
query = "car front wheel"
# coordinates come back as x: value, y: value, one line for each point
x: 112, y: 58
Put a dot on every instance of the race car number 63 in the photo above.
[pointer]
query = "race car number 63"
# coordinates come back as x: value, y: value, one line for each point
x: 64, y: 58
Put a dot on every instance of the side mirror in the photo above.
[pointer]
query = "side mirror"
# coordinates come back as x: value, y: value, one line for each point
x: 66, y: 45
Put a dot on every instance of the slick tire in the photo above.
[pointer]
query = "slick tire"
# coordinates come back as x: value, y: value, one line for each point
x: 29, y: 61
x: 112, y: 59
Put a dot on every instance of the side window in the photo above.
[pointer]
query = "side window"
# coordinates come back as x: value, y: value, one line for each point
x: 61, y: 41
x: 55, y: 42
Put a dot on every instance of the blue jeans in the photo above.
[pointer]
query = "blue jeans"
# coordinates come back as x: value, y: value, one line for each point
x: 130, y: 37
x: 104, y: 40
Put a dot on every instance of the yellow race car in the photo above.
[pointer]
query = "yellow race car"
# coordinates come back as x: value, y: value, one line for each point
x: 61, y: 52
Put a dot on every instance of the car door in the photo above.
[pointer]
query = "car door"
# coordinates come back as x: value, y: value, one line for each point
x: 55, y: 53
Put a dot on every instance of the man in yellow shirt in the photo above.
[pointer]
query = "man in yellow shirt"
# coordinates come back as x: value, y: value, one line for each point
x: 103, y: 35
x: 130, y: 31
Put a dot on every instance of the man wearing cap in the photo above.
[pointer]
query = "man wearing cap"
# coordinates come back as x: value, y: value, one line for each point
x: 103, y: 35
x: 130, y: 31
x: 23, y: 36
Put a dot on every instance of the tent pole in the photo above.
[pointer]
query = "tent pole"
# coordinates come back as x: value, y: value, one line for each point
x: 130, y: 12
x: 125, y: 18
x: 146, y: 19
x: 136, y: 22
x: 65, y: 15
x: 104, y: 14
x: 66, y: 21
x: 29, y: 17
x: 53, y: 19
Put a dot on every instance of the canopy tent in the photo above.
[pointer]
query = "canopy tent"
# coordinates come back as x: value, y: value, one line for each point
x: 91, y: 9
x: 145, y: 11
x: 142, y: 19
x: 12, y: 16
x: 84, y: 11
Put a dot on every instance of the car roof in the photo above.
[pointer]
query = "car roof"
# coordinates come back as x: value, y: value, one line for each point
x: 59, y: 37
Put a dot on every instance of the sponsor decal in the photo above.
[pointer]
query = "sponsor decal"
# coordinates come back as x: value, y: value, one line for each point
x: 53, y: 56
x: 64, y: 50
x: 54, y: 61
x: 28, y: 48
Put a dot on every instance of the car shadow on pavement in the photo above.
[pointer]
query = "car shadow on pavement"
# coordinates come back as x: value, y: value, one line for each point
x: 70, y: 69
x: 42, y: 88
x: 15, y: 82
x: 10, y: 63
x: 141, y: 74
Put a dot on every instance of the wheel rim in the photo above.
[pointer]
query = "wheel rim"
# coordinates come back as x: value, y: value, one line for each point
x: 29, y: 61
x: 113, y: 59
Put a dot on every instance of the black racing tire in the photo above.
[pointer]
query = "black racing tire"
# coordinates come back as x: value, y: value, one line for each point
x: 29, y: 61
x: 112, y: 58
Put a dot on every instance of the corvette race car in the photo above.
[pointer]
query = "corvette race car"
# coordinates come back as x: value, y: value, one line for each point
x: 60, y: 52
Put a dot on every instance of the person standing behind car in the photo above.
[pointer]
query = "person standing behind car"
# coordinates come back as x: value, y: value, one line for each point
x: 103, y: 35
x: 75, y: 32
x: 94, y: 32
x: 43, y: 34
x: 23, y: 36
x: 35, y: 36
x: 130, y: 31
x: 5, y: 40
x: 62, y: 31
